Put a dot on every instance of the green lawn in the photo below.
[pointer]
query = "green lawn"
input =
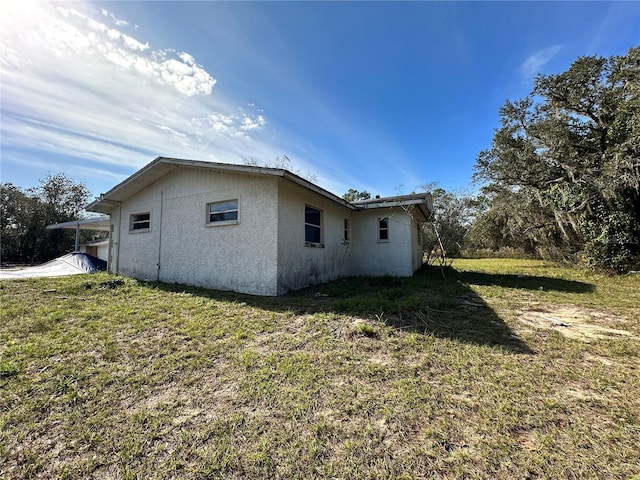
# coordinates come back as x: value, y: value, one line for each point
x: 504, y: 369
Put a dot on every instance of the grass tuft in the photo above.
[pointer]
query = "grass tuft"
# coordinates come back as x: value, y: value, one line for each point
x: 503, y: 369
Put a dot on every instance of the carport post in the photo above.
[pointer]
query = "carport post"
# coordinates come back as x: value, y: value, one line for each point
x: 77, y: 249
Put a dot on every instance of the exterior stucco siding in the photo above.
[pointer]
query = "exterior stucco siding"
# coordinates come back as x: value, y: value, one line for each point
x: 138, y: 251
x: 300, y: 265
x: 114, y: 240
x: 239, y: 257
x: 374, y: 257
x: 416, y: 246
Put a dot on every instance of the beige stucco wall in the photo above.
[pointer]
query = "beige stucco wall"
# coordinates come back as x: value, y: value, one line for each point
x: 300, y: 265
x: 393, y: 257
x: 240, y: 257
x: 114, y: 240
x: 416, y: 246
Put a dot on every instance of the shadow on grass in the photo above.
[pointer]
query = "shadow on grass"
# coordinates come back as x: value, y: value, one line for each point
x: 426, y: 303
x: 528, y: 282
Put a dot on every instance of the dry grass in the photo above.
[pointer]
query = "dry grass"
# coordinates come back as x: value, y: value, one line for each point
x: 363, y: 378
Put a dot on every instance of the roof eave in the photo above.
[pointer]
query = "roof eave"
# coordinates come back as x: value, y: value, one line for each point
x: 391, y: 203
x: 163, y: 165
x: 422, y: 202
x: 292, y: 177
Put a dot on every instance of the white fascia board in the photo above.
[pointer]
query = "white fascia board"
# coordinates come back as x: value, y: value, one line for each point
x: 163, y: 165
x: 391, y: 203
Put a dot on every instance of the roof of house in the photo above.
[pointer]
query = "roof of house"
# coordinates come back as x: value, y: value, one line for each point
x: 162, y: 166
x: 421, y: 201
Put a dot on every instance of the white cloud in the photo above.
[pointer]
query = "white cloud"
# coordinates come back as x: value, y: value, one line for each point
x: 116, y: 21
x: 76, y: 82
x: 182, y: 72
x: 536, y: 62
x: 252, y: 123
x: 81, y: 83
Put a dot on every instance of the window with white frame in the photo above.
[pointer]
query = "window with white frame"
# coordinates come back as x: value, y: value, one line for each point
x: 347, y: 231
x: 383, y: 229
x: 312, y: 225
x: 222, y: 213
x: 140, y: 222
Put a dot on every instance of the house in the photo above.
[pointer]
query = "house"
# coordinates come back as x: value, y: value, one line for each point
x: 96, y: 248
x: 255, y: 230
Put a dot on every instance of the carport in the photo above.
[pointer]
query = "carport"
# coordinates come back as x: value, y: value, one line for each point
x: 99, y: 224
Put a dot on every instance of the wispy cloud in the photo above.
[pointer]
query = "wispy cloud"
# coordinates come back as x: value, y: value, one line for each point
x: 80, y: 82
x: 118, y: 22
x: 536, y: 62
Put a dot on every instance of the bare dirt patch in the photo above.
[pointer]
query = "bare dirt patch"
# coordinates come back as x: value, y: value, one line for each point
x: 574, y: 322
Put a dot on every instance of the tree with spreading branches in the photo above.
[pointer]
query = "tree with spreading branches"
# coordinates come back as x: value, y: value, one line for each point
x: 563, y: 172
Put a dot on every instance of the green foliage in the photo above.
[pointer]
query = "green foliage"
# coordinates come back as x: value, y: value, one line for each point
x: 353, y: 195
x: 367, y: 330
x: 562, y: 177
x: 25, y: 214
x: 453, y: 215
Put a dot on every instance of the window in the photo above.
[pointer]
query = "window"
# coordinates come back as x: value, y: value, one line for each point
x: 347, y: 235
x: 140, y: 222
x: 222, y: 212
x: 383, y: 229
x: 312, y: 225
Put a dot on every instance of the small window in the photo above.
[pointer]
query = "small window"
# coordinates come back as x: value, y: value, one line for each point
x: 347, y: 234
x: 140, y: 222
x: 222, y: 212
x: 383, y: 229
x: 312, y: 225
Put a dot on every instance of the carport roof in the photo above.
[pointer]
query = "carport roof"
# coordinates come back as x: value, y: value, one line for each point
x: 101, y: 224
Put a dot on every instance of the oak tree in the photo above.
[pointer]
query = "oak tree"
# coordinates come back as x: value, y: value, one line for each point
x: 563, y: 170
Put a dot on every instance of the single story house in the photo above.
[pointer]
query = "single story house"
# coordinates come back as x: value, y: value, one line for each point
x: 255, y: 230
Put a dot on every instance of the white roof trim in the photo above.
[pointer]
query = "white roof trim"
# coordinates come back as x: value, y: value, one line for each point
x: 390, y: 203
x: 161, y: 166
x: 421, y: 201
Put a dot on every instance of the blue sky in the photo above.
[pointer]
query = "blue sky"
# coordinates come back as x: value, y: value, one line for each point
x: 382, y: 96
